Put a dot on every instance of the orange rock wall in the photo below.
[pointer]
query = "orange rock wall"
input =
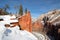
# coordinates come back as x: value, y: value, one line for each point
x: 37, y: 26
x: 25, y: 22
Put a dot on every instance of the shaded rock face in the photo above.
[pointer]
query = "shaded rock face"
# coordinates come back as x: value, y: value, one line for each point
x: 37, y: 26
x: 25, y: 22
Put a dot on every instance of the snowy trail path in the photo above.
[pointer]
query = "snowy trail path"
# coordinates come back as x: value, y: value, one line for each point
x: 40, y: 36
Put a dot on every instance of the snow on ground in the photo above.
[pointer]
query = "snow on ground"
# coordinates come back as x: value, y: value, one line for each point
x: 15, y: 34
x: 2, y: 29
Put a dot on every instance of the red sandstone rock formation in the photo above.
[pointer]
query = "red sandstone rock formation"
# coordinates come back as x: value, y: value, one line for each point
x: 25, y: 22
x: 37, y: 26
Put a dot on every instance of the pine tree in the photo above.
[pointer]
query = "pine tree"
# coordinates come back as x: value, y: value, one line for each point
x: 21, y: 10
x: 6, y: 7
x: 25, y: 10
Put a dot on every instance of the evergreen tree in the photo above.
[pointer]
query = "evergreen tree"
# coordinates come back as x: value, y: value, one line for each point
x: 6, y: 7
x: 21, y: 10
x: 26, y: 10
x: 3, y: 11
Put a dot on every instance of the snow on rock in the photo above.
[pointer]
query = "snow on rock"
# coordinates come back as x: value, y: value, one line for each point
x: 13, y: 16
x: 7, y: 17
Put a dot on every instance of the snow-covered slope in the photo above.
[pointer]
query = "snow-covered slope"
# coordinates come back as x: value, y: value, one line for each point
x: 16, y: 34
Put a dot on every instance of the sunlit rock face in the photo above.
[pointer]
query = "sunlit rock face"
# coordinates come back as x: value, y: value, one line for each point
x: 51, y: 14
x: 25, y: 22
x: 54, y: 16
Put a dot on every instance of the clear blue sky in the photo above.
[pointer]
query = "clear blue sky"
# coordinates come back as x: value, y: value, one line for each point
x: 36, y: 7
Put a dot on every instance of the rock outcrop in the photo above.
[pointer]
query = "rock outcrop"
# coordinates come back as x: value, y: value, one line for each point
x: 25, y: 22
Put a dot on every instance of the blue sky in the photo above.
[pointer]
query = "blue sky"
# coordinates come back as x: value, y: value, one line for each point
x: 36, y: 7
